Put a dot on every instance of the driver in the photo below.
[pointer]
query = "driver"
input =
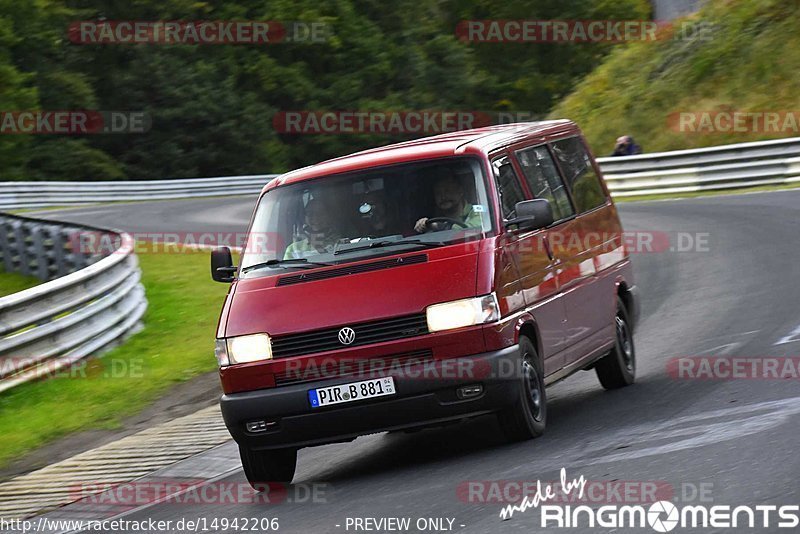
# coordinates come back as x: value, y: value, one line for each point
x: 451, y: 203
x: 319, y: 237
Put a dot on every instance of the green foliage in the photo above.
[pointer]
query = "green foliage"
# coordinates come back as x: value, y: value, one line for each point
x: 16, y: 92
x: 53, y: 158
x: 750, y: 62
x: 212, y: 105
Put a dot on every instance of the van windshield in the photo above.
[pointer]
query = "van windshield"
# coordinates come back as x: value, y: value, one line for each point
x: 368, y: 213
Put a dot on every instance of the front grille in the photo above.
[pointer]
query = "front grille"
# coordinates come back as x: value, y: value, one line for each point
x: 366, y: 333
x: 367, y: 368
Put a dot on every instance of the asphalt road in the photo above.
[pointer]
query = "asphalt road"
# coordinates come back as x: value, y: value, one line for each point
x: 225, y: 214
x: 734, y: 439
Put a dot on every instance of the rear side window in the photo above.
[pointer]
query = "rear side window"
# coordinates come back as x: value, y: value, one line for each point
x: 544, y: 181
x: 508, y: 186
x: 576, y: 164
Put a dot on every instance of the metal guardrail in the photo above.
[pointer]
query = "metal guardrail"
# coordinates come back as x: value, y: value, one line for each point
x: 775, y: 162
x: 705, y: 169
x: 90, y: 303
x: 22, y: 195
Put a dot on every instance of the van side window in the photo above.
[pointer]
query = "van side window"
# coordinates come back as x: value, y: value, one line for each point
x: 576, y: 165
x: 543, y: 180
x: 508, y: 186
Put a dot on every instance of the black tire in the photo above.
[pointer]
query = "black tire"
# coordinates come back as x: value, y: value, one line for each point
x: 527, y: 417
x: 617, y: 369
x: 263, y: 467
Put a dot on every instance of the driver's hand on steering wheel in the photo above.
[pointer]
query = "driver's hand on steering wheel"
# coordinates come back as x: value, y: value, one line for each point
x: 422, y: 225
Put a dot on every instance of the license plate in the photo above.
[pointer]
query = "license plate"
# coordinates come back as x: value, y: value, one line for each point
x: 354, y: 391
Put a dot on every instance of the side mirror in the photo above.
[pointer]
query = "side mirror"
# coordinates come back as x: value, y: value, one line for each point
x: 222, y: 269
x: 532, y: 215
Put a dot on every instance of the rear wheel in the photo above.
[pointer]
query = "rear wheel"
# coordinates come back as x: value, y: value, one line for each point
x: 618, y: 368
x: 527, y: 417
x: 262, y: 467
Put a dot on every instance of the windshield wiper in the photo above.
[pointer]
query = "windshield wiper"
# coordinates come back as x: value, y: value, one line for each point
x: 289, y: 263
x: 389, y: 243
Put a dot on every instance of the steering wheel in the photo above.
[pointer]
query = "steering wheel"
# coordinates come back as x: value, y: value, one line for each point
x: 446, y: 222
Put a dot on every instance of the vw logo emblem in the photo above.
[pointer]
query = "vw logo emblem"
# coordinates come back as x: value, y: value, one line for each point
x: 347, y: 335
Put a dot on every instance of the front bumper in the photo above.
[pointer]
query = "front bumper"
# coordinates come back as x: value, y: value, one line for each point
x: 424, y: 397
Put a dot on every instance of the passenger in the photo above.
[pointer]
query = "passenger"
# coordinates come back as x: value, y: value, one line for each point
x: 451, y: 203
x: 319, y: 236
x: 375, y: 214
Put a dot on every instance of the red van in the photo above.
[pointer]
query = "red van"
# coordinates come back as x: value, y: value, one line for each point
x: 419, y: 284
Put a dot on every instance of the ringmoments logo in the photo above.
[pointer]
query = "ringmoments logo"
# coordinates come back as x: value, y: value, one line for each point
x: 660, y: 516
x: 664, y: 516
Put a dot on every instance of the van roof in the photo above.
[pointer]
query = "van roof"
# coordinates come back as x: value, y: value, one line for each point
x: 476, y: 141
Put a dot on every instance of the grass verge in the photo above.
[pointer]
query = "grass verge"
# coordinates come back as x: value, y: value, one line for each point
x: 13, y: 282
x: 718, y: 193
x: 175, y: 345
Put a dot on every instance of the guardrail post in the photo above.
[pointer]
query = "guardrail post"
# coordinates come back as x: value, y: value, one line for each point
x: 21, y: 254
x: 5, y: 245
x: 40, y: 266
x: 59, y: 252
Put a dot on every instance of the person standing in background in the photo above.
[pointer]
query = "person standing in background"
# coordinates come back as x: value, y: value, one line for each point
x: 626, y: 146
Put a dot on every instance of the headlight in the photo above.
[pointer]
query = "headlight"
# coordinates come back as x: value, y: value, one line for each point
x: 221, y: 352
x: 460, y: 313
x: 252, y: 348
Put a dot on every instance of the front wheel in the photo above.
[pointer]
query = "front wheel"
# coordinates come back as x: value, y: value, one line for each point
x: 617, y: 369
x: 527, y: 417
x: 263, y: 467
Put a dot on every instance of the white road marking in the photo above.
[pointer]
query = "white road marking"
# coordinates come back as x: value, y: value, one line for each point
x: 721, y: 350
x: 793, y: 337
x: 726, y: 336
x: 700, y: 430
x: 666, y: 437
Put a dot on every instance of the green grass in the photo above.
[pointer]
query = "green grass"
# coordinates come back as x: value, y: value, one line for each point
x: 13, y: 282
x: 750, y: 62
x: 176, y: 345
x: 23, y: 211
